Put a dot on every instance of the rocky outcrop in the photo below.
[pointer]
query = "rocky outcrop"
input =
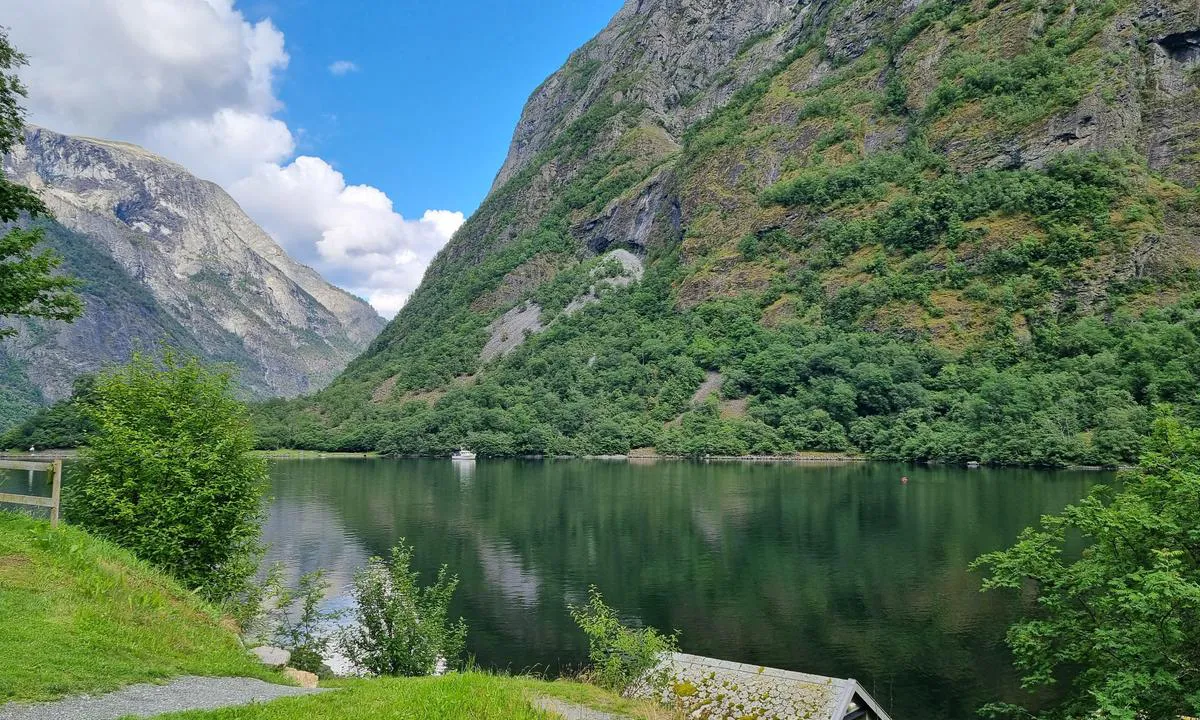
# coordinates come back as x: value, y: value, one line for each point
x: 631, y: 220
x: 195, y: 271
x: 617, y: 269
x: 680, y: 59
x: 508, y: 331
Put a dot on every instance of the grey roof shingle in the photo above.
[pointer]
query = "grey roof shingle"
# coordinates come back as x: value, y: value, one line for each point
x: 719, y: 689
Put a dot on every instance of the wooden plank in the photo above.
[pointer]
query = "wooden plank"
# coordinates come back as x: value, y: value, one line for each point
x: 26, y: 465
x: 28, y: 500
x: 56, y: 493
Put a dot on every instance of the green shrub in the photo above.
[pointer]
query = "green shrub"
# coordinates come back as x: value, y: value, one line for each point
x: 168, y: 474
x: 622, y: 657
x: 1117, y: 629
x: 289, y: 617
x: 400, y: 627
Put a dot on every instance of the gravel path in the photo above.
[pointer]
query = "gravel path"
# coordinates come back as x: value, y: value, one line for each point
x: 571, y: 711
x: 184, y: 693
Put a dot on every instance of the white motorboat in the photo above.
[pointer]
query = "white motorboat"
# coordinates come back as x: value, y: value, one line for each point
x: 463, y: 455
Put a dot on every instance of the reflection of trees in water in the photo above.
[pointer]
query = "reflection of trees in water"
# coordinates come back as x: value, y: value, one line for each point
x: 837, y: 570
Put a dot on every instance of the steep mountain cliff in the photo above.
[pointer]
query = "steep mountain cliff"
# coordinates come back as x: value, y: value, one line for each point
x: 933, y: 230
x: 167, y: 257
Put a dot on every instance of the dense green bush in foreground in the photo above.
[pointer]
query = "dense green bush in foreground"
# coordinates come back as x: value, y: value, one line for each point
x: 622, y: 657
x: 401, y: 627
x: 1117, y: 628
x: 167, y: 473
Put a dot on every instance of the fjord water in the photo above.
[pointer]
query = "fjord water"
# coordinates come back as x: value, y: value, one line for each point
x: 836, y: 570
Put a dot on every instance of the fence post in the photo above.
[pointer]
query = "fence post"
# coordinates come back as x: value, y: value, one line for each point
x: 56, y: 493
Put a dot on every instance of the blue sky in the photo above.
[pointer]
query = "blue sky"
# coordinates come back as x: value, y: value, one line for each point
x: 364, y: 175
x: 428, y: 114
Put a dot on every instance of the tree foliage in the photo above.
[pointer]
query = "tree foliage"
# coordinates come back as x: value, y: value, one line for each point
x: 289, y: 617
x: 622, y: 657
x: 29, y: 286
x: 401, y: 628
x: 61, y: 425
x: 168, y: 472
x: 1119, y: 624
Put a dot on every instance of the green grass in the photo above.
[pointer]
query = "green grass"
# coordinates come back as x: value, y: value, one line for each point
x: 481, y: 697
x: 470, y: 695
x: 596, y: 698
x: 80, y: 615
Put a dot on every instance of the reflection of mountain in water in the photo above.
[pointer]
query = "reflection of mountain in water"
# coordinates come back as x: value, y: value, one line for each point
x: 836, y: 570
x: 505, y: 571
x: 307, y: 535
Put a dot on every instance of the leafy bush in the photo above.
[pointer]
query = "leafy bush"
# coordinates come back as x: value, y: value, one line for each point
x: 168, y: 472
x: 1117, y: 628
x: 289, y: 617
x: 622, y: 658
x: 402, y: 628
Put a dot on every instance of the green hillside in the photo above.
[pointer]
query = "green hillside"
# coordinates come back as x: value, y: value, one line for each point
x: 964, y: 232
x: 84, y: 617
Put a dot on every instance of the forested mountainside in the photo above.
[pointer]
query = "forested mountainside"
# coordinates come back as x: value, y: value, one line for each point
x: 930, y: 230
x: 167, y: 258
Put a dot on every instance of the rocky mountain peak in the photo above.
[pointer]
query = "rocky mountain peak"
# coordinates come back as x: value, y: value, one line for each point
x: 218, y: 283
x: 678, y: 58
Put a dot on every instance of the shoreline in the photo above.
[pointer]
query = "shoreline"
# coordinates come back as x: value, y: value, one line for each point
x: 635, y: 457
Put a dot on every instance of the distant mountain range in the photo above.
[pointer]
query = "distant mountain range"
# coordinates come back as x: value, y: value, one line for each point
x: 168, y: 258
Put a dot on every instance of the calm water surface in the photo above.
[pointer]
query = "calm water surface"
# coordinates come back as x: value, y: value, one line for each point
x: 834, y: 570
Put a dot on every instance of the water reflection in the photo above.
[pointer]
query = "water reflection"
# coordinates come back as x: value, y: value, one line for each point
x: 465, y: 469
x: 25, y: 482
x: 837, y: 570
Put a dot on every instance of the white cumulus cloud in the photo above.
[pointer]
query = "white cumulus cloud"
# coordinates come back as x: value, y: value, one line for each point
x: 194, y: 80
x: 343, y: 67
x: 352, y: 230
x: 224, y: 147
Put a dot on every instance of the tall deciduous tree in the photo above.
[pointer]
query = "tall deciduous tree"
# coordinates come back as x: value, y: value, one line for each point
x: 29, y: 287
x: 1119, y: 624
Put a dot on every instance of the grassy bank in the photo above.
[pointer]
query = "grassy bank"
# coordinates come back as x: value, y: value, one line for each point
x: 82, y: 616
x: 470, y: 695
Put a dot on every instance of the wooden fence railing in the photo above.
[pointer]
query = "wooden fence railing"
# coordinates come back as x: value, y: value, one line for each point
x: 52, y: 502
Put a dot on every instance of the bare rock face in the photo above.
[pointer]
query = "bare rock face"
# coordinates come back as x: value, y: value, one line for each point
x: 684, y: 57
x: 507, y: 332
x: 211, y: 280
x: 1173, y: 113
x: 617, y: 269
x: 631, y: 220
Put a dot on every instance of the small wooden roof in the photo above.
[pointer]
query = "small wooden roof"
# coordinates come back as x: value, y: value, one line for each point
x: 724, y: 689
